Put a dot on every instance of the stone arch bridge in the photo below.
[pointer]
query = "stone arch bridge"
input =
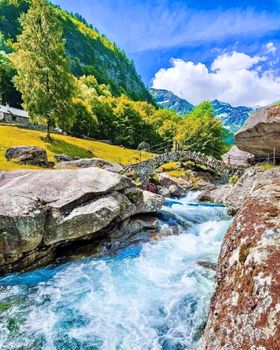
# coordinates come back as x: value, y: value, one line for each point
x: 144, y: 169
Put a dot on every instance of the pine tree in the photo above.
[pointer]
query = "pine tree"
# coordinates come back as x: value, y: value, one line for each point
x: 43, y: 75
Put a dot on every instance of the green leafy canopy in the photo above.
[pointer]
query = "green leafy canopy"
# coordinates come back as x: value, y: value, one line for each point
x: 43, y: 76
x: 201, y: 131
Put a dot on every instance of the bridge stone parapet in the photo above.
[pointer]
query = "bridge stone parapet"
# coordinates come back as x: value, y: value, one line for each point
x: 144, y: 169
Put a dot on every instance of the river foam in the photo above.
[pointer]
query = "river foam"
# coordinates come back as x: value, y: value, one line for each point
x: 149, y: 296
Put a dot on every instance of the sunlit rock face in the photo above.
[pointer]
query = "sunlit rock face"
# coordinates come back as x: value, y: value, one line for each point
x: 40, y: 210
x: 261, y: 134
x: 234, y: 197
x: 245, y: 307
x: 237, y: 157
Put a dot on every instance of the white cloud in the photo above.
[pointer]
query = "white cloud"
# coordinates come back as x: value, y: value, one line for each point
x: 234, y: 77
x: 235, y: 61
x: 270, y: 47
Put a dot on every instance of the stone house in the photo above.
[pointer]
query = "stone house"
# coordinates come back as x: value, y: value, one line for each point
x: 13, y: 115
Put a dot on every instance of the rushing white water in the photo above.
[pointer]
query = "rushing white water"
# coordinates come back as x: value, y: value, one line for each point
x: 148, y: 296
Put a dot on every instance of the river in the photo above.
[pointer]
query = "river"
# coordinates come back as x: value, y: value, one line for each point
x: 147, y: 296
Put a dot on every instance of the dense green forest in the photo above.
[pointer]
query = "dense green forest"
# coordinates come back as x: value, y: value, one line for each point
x: 89, y: 51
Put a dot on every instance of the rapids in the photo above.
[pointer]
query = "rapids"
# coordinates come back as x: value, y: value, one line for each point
x: 147, y: 296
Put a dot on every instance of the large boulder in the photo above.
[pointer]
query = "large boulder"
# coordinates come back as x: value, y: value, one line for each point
x: 64, y: 158
x: 90, y: 162
x: 163, y: 191
x: 144, y: 146
x: 151, y: 187
x: 245, y: 307
x: 234, y: 196
x: 176, y: 191
x: 138, y: 223
x: 261, y: 134
x: 236, y: 157
x: 41, y: 210
x: 27, y: 155
x: 170, y: 186
x: 246, y: 185
x: 218, y: 194
x: 167, y: 180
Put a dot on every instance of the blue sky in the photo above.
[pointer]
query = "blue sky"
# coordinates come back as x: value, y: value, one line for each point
x: 152, y: 33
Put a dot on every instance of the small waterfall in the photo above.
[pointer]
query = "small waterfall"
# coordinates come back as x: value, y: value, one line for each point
x: 148, y: 296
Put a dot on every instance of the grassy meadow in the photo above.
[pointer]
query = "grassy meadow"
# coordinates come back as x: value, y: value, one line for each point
x: 60, y: 144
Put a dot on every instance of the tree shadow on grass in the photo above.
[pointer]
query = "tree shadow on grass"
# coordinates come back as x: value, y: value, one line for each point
x: 62, y: 147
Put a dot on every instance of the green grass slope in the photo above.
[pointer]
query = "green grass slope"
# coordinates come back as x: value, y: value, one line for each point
x: 89, y: 51
x: 13, y: 136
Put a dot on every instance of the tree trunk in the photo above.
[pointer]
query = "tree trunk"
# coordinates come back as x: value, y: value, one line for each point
x: 49, y: 129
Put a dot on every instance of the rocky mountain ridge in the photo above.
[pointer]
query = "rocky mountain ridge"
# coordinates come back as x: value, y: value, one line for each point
x: 168, y: 100
x: 233, y: 118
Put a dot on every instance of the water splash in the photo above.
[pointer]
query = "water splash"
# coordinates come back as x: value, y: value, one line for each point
x: 150, y: 296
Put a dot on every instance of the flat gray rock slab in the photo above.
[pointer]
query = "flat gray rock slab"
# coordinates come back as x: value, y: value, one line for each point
x: 45, y: 208
x: 55, y: 188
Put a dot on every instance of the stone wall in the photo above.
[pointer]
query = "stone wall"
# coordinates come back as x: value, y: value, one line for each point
x: 11, y: 119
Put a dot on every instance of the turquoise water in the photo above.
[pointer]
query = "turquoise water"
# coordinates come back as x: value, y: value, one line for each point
x: 148, y: 296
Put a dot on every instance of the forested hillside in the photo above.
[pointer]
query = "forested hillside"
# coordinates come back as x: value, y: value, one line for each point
x: 89, y: 51
x: 82, y: 99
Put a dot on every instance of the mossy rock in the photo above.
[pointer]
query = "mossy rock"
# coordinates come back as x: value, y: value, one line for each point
x: 4, y: 306
x: 135, y: 195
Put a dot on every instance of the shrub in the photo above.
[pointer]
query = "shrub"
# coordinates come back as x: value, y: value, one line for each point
x: 233, y: 180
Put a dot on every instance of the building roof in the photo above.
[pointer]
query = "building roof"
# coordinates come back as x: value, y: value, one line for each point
x: 13, y: 111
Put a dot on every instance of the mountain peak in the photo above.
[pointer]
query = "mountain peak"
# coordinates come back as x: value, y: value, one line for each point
x: 167, y: 99
x: 233, y: 118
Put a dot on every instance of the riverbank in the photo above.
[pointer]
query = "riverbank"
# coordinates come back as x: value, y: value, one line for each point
x: 245, y: 307
x: 147, y: 292
x: 176, y: 245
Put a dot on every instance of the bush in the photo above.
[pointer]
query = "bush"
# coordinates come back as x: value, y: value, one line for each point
x: 266, y: 166
x: 170, y: 166
x: 233, y: 180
